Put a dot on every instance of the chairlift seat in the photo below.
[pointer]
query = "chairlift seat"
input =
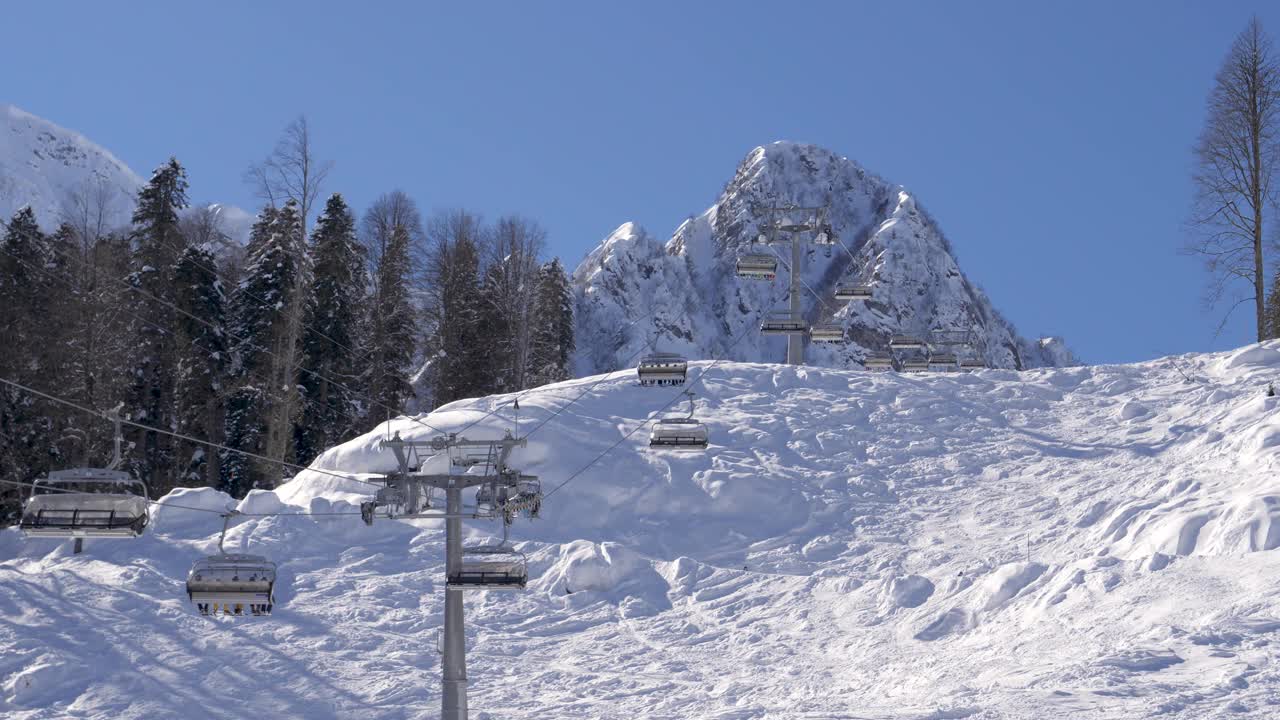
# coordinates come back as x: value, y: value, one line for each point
x: 232, y: 584
x: 827, y: 333
x: 943, y: 362
x: 906, y: 342
x: 757, y: 267
x: 826, y: 235
x: 490, y: 568
x: 86, y: 503
x: 878, y: 362
x: 784, y: 324
x: 846, y: 292
x: 662, y: 369
x: 678, y: 434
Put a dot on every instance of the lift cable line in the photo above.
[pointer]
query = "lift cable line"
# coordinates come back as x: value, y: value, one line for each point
x: 206, y: 323
x: 214, y: 272
x: 148, y: 322
x: 180, y: 436
x: 683, y: 393
x: 602, y: 378
x: 526, y: 391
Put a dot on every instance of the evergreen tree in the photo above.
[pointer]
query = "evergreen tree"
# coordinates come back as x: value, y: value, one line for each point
x: 201, y: 365
x: 392, y: 340
x: 332, y: 333
x: 258, y: 330
x: 497, y: 329
x: 27, y: 444
x: 244, y: 431
x: 157, y: 244
x: 458, y: 350
x: 553, y: 342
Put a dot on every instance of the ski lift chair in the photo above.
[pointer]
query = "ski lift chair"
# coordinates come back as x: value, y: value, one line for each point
x: 878, y: 361
x: 782, y: 324
x: 662, y: 369
x: 490, y: 567
x: 850, y: 291
x: 915, y: 365
x: 906, y: 342
x: 827, y: 333
x: 86, y: 503
x: 757, y: 267
x: 679, y: 433
x: 943, y: 362
x: 826, y: 235
x: 230, y: 583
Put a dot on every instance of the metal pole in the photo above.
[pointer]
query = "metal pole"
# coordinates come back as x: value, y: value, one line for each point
x: 795, y: 341
x: 454, y: 699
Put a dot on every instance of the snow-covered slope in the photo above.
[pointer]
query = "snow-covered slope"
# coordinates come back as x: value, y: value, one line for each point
x: 1094, y: 542
x: 56, y: 171
x: 634, y: 291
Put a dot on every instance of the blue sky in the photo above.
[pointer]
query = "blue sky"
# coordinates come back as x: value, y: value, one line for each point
x: 1051, y: 140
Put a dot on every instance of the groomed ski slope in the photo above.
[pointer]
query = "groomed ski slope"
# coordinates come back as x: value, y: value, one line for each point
x: 1091, y: 542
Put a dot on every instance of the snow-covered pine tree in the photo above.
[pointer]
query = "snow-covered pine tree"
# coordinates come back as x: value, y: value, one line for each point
x: 391, y: 344
x: 201, y: 365
x: 497, y: 327
x: 553, y: 341
x: 27, y: 442
x: 243, y: 422
x: 258, y: 331
x: 458, y: 345
x: 290, y: 233
x: 157, y: 244
x: 332, y: 334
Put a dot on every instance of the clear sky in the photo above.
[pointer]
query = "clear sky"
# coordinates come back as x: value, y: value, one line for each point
x: 1052, y: 141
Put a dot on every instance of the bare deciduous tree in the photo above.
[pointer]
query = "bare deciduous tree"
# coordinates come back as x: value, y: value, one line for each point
x: 1236, y: 161
x: 389, y: 211
x: 290, y: 172
x: 514, y: 258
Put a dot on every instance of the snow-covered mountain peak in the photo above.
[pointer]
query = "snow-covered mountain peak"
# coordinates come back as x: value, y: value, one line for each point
x: 692, y: 301
x: 64, y: 176
x: 54, y: 169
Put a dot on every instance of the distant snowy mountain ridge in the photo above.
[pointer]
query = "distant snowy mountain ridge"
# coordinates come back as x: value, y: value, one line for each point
x: 52, y: 168
x: 64, y: 176
x: 635, y: 293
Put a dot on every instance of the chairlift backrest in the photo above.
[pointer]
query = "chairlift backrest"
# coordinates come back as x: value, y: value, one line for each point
x: 662, y: 369
x: 906, y: 342
x: 846, y: 292
x: 827, y: 333
x: 757, y: 266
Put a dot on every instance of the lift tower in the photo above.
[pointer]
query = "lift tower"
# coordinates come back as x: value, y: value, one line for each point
x: 789, y: 224
x: 501, y: 491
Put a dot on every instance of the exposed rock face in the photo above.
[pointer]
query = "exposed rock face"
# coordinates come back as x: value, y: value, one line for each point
x: 635, y: 292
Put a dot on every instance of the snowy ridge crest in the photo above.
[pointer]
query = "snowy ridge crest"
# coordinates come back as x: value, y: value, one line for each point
x: 47, y: 166
x: 683, y: 295
x: 64, y: 176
